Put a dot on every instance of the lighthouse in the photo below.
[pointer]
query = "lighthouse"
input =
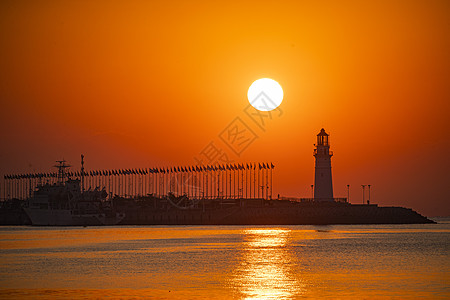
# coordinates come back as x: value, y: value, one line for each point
x: 323, y: 184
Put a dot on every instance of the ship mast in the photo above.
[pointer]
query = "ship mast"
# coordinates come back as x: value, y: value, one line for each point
x: 61, y: 170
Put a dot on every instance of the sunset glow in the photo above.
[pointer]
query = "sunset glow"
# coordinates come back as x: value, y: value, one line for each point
x: 151, y: 84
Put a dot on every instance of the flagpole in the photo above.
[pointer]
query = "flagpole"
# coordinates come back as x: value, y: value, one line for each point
x: 271, y: 181
x: 259, y: 169
x: 267, y: 182
x: 245, y: 188
x: 226, y: 181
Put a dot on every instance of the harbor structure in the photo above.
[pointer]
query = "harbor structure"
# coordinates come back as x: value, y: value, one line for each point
x: 228, y: 194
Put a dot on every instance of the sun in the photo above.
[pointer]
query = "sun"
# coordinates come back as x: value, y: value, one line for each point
x: 265, y: 94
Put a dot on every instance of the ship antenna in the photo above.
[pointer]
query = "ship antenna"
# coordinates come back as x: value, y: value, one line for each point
x: 82, y: 173
x: 61, y: 170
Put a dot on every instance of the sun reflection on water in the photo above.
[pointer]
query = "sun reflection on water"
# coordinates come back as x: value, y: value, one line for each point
x: 267, y: 267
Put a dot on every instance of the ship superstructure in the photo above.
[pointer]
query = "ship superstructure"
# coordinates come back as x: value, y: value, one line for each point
x: 63, y: 203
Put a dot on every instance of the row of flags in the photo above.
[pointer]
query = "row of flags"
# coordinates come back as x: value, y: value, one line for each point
x: 231, y: 167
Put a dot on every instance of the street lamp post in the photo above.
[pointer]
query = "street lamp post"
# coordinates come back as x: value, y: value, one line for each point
x: 363, y: 186
x: 348, y: 193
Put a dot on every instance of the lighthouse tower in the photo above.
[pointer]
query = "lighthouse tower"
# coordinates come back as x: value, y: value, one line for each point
x: 323, y: 185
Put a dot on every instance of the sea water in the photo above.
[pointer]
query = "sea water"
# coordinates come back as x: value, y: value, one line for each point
x: 226, y: 262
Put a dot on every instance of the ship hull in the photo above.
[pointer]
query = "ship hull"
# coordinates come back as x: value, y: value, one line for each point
x: 64, y: 217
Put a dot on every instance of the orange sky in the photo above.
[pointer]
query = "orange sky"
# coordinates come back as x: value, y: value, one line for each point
x: 142, y: 84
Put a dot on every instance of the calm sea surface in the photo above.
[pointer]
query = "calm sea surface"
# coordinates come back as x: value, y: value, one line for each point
x: 232, y: 262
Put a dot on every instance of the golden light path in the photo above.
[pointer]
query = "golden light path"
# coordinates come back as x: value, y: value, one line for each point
x: 266, y: 269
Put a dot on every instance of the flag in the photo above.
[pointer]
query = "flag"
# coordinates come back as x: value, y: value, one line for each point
x: 272, y: 166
